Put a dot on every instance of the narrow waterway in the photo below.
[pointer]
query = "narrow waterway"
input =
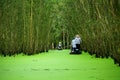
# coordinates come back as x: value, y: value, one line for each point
x: 58, y: 65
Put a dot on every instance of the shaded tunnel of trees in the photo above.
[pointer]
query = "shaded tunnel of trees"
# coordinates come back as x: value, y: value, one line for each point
x: 34, y: 26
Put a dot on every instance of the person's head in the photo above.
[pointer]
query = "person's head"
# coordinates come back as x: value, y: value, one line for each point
x: 59, y: 42
x: 77, y: 36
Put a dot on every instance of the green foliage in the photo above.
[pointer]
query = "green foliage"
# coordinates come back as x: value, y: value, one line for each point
x: 97, y: 22
x: 24, y: 26
x: 32, y: 26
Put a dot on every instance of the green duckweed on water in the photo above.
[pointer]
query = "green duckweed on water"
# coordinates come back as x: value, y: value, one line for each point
x: 58, y: 65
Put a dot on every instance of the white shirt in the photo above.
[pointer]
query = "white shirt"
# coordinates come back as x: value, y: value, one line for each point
x: 73, y: 43
x: 59, y: 44
x: 78, y: 40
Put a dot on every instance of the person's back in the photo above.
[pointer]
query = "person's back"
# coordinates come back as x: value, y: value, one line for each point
x: 78, y: 41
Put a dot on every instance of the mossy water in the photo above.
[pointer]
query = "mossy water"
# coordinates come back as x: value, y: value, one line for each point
x: 58, y: 65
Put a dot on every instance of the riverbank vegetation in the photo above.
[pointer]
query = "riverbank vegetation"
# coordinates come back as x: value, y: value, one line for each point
x: 35, y: 26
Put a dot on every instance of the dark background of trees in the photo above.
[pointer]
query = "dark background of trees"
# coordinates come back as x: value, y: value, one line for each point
x: 34, y: 26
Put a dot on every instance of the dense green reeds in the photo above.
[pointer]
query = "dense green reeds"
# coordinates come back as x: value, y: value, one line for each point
x: 98, y: 23
x: 24, y: 26
x: 33, y: 26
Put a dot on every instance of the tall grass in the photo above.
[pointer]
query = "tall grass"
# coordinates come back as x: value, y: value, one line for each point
x: 24, y: 26
x: 31, y: 26
x: 97, y: 22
